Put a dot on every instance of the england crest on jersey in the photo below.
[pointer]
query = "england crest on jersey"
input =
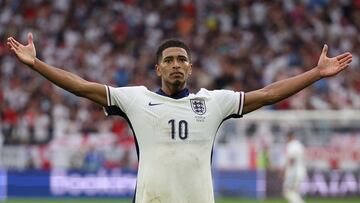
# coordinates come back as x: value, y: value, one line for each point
x: 198, y: 106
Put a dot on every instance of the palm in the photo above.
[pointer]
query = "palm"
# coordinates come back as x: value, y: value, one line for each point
x: 331, y: 66
x: 25, y: 53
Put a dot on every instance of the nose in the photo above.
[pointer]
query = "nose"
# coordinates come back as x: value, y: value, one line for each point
x: 176, y: 64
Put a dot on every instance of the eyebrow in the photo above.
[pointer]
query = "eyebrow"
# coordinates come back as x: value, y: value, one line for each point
x: 179, y: 56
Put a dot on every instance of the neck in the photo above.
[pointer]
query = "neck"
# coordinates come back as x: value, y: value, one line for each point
x: 171, y: 89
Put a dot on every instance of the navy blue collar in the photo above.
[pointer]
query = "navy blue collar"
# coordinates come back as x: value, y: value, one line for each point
x: 183, y: 93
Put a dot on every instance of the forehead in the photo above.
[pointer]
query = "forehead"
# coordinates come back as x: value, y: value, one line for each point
x: 174, y: 51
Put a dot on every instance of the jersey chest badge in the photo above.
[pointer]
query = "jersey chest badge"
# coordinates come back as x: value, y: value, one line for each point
x: 198, y: 106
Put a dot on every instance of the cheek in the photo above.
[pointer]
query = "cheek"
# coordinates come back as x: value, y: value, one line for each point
x: 163, y: 72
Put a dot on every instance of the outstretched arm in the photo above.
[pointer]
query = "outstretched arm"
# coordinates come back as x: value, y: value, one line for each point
x: 66, y: 80
x: 285, y: 88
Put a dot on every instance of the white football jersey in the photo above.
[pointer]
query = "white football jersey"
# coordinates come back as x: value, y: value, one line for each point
x: 174, y: 139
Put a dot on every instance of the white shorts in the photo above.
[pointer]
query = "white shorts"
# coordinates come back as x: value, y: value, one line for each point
x: 293, y: 181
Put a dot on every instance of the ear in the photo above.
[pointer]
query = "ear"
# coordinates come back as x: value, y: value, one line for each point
x: 158, y: 70
x: 190, y: 69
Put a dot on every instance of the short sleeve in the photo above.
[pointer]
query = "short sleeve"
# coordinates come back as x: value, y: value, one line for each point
x: 119, y: 99
x: 231, y: 103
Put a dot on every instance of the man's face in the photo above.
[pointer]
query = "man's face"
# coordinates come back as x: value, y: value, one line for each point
x: 174, y: 67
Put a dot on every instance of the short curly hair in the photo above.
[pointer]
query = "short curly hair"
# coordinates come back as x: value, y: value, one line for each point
x: 171, y: 43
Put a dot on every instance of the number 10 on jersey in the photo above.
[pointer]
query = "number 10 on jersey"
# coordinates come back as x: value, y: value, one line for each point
x: 182, y: 129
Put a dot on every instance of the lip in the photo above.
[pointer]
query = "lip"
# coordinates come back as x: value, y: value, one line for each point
x: 177, y: 74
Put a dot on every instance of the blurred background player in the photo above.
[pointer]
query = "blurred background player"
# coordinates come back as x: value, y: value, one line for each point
x: 295, y: 169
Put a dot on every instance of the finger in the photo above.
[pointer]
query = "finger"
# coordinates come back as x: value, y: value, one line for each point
x: 325, y: 49
x: 345, y: 64
x: 346, y: 59
x: 12, y: 47
x: 30, y: 38
x: 9, y: 45
x: 342, y: 67
x: 14, y: 42
x: 343, y: 56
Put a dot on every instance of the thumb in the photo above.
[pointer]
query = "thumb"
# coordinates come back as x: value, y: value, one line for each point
x: 30, y: 38
x: 325, y: 50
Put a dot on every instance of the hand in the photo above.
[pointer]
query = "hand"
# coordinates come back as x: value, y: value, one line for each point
x: 25, y: 53
x: 332, y: 66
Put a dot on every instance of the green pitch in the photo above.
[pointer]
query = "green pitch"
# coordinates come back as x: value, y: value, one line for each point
x: 308, y: 200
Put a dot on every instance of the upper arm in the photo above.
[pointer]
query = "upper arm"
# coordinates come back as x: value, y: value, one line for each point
x: 123, y: 97
x: 95, y: 92
x: 254, y: 100
x: 230, y: 103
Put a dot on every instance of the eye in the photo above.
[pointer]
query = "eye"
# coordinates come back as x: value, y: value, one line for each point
x: 167, y: 60
x: 183, y: 59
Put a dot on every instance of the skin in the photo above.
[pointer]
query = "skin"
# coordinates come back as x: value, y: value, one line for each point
x: 174, y: 69
x: 66, y: 80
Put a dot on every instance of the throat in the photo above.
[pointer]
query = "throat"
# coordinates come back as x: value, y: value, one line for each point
x: 174, y: 88
x: 181, y: 93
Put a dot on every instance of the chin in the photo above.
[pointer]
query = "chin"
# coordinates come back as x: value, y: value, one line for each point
x: 178, y: 83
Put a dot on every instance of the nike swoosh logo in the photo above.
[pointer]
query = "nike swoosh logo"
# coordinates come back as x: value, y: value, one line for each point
x: 154, y: 104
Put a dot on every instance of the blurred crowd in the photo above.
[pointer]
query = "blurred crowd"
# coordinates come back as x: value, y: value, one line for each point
x: 236, y: 44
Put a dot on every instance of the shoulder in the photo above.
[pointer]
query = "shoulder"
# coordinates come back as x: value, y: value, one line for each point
x: 206, y: 92
x: 129, y: 89
x: 219, y: 95
x: 299, y: 144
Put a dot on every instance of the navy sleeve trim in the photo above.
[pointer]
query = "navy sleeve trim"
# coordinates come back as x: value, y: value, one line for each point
x: 241, y: 103
x: 108, y: 96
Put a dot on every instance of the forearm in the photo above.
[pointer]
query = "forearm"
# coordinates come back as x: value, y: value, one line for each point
x: 285, y: 88
x: 59, y: 77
